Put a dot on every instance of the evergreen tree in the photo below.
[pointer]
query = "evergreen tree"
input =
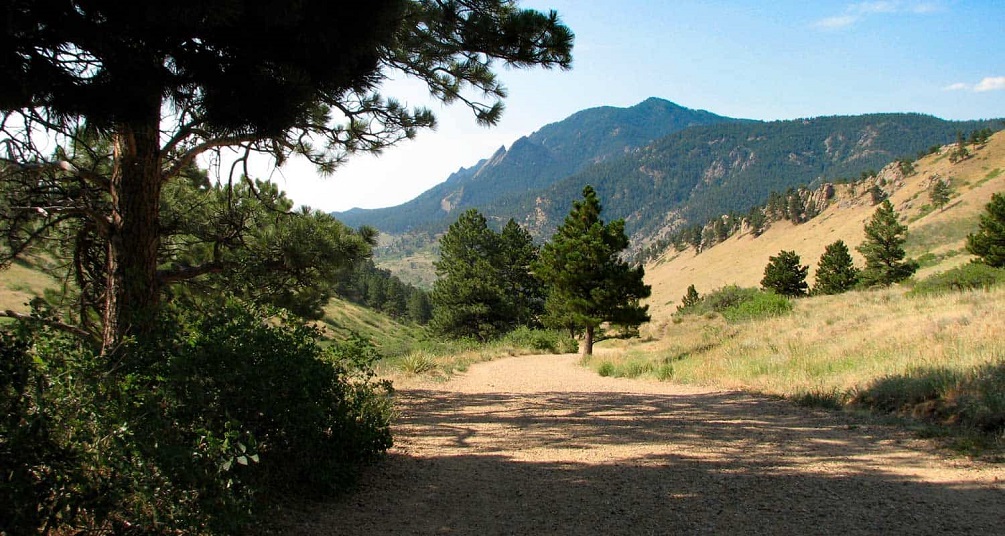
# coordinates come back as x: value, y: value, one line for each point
x: 524, y: 291
x: 587, y: 281
x: 883, y: 249
x: 691, y: 299
x: 784, y: 275
x: 468, y: 297
x: 988, y: 242
x: 939, y: 194
x: 836, y: 273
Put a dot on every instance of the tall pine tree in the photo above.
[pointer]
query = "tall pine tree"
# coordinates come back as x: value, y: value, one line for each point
x: 883, y: 249
x: 988, y: 242
x: 468, y: 300
x: 588, y: 283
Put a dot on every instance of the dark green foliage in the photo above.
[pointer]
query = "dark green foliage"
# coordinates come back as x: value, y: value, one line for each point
x: 246, y: 240
x: 877, y: 194
x: 836, y: 272
x: 467, y: 297
x: 784, y: 275
x: 971, y: 276
x: 552, y: 341
x: 378, y: 289
x: 883, y: 249
x: 939, y: 193
x: 988, y: 242
x: 959, y: 151
x: 188, y: 434
x: 523, y: 290
x: 485, y: 287
x: 690, y: 300
x: 587, y: 282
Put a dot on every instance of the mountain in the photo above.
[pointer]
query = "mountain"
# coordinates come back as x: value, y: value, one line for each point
x: 659, y: 165
x: 537, y: 161
x: 706, y: 171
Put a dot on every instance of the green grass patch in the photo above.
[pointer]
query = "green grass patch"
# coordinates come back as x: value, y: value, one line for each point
x: 993, y: 174
x: 972, y: 276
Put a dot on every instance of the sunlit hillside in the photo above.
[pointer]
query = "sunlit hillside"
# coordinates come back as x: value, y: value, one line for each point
x: 936, y: 237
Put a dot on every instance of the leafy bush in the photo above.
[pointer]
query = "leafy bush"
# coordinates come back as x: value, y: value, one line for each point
x: 972, y: 276
x: 763, y: 305
x: 542, y: 340
x: 729, y: 296
x: 184, y: 433
x: 738, y: 304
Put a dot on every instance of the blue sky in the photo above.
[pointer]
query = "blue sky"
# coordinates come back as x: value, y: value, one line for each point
x: 752, y: 59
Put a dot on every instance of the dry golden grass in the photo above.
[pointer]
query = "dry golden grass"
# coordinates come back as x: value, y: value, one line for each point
x: 941, y: 234
x: 828, y: 344
x: 19, y: 284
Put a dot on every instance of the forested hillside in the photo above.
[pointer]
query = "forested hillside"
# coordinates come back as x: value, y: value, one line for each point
x: 702, y: 172
x: 536, y: 161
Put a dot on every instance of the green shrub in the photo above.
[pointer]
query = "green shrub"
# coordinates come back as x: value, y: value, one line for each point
x: 971, y: 276
x: 183, y: 433
x: 729, y: 296
x: 541, y: 340
x: 762, y: 305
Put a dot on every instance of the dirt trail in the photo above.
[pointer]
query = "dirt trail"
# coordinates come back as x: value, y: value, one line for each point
x: 539, y: 445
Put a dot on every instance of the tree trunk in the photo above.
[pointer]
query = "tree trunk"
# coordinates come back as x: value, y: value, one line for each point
x: 586, y: 344
x: 132, y: 289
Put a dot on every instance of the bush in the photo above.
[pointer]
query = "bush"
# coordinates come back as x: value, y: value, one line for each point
x: 729, y: 296
x: 551, y: 341
x: 184, y: 433
x: 973, y: 399
x: 763, y: 305
x: 972, y: 276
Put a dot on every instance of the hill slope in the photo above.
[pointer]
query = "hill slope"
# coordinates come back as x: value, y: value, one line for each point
x: 936, y: 237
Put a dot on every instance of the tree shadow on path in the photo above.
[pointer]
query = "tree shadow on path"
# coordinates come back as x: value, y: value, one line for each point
x: 622, y: 463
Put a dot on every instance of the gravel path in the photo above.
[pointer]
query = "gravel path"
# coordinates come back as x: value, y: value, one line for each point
x: 540, y: 445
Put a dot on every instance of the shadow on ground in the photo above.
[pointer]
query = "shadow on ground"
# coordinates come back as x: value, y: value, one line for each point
x: 619, y: 463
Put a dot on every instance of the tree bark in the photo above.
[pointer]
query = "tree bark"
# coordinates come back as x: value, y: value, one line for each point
x: 132, y: 290
x: 586, y: 344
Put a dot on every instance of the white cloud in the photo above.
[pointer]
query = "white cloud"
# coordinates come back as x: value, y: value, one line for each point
x: 959, y: 86
x: 858, y: 11
x: 874, y: 7
x: 837, y: 22
x: 991, y: 83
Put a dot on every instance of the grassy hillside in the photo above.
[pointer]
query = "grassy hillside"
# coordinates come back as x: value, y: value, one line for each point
x: 936, y: 237
x: 20, y: 283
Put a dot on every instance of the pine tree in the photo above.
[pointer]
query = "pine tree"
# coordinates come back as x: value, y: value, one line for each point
x: 587, y: 282
x: 988, y: 242
x: 784, y: 275
x: 523, y: 290
x: 883, y: 249
x: 691, y: 299
x: 468, y: 298
x: 836, y: 272
x: 939, y: 194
